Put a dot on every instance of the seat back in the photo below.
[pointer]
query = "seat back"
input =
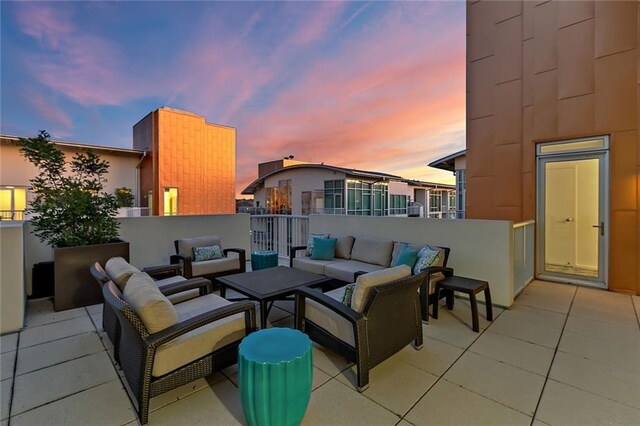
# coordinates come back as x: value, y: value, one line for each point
x: 99, y: 274
x: 132, y: 351
x: 393, y: 316
x: 184, y: 246
x: 446, y: 254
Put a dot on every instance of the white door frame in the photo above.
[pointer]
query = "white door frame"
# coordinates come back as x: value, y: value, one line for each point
x: 573, y: 152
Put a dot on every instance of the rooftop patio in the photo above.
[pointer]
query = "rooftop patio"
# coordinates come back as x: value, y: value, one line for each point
x: 561, y: 355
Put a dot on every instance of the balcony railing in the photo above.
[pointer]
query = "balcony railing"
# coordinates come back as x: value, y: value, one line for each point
x: 278, y: 232
x: 523, y: 243
x: 11, y: 214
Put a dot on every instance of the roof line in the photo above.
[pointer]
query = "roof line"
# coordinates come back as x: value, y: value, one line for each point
x: 84, y: 146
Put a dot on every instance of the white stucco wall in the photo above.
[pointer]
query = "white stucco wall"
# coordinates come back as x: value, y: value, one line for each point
x: 481, y: 249
x: 151, y: 237
x: 12, y: 289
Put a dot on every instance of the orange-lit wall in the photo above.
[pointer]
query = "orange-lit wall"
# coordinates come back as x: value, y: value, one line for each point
x: 546, y: 71
x: 187, y: 153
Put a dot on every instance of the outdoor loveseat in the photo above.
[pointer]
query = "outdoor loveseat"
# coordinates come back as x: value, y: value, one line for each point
x: 217, y: 261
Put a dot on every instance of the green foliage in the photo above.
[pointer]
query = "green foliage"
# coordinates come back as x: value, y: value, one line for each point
x: 69, y: 209
x: 124, y: 197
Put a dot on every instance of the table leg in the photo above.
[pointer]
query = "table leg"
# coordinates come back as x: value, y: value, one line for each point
x: 436, y: 303
x: 223, y: 291
x: 474, y: 311
x: 263, y: 314
x: 487, y: 300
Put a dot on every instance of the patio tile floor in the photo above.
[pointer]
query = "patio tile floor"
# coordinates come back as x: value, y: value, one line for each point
x: 561, y: 355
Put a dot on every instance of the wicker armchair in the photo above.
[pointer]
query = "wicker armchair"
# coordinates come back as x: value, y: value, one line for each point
x: 209, y: 268
x: 141, y: 350
x: 169, y: 286
x: 390, y: 320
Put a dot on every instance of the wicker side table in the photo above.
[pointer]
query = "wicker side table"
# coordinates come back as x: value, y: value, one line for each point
x: 274, y: 376
x: 469, y: 286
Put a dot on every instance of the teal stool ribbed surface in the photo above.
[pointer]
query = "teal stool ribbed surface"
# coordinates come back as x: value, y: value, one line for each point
x: 274, y: 376
x: 263, y: 260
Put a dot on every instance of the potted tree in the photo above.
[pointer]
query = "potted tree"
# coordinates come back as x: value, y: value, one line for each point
x: 124, y: 199
x: 73, y: 214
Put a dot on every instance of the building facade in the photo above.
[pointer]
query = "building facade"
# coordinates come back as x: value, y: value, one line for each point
x: 456, y: 163
x: 303, y: 189
x: 552, y: 132
x: 16, y: 171
x: 190, y: 166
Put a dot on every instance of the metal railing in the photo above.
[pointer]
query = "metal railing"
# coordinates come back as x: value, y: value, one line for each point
x: 523, y: 259
x: 278, y: 232
x: 11, y: 214
x: 329, y: 211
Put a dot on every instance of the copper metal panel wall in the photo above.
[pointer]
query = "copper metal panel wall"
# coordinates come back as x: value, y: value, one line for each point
x: 554, y: 70
x: 197, y: 158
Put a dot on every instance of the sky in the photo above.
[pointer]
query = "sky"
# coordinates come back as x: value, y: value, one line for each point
x: 370, y: 85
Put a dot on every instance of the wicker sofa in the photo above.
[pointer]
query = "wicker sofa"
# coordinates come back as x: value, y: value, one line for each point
x: 357, y: 255
x: 208, y: 268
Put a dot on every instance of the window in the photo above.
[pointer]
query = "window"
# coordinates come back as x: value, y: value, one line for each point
x: 13, y: 202
x: 334, y: 196
x: 279, y: 198
x: 170, y: 201
x: 435, y: 201
x: 380, y: 199
x: 358, y: 198
x: 398, y: 204
x: 460, y: 191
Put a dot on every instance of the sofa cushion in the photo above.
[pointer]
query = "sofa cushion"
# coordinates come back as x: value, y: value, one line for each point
x: 207, y: 253
x: 366, y: 282
x: 407, y: 256
x: 119, y: 270
x: 311, y: 242
x: 201, y: 341
x: 333, y: 323
x: 345, y: 269
x: 186, y: 245
x: 371, y: 250
x: 214, y: 266
x: 324, y: 249
x: 343, y: 247
x: 311, y: 265
x: 146, y: 300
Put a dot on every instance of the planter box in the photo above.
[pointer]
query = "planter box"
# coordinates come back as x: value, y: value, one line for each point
x: 74, y: 285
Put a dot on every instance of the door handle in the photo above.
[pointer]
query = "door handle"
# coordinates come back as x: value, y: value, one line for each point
x: 601, y: 226
x: 569, y: 219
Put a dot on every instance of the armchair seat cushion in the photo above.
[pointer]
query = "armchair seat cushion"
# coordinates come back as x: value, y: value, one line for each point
x: 214, y: 266
x: 312, y: 265
x: 345, y: 270
x: 202, y: 341
x: 330, y: 321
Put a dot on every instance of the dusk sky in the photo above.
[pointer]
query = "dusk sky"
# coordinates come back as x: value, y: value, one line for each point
x: 370, y: 85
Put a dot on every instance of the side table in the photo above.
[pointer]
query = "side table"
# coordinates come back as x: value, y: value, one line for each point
x: 468, y: 286
x: 275, y: 371
x: 263, y: 259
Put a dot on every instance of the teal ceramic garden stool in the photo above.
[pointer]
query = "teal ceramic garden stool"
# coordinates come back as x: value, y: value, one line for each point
x: 263, y: 260
x: 274, y: 376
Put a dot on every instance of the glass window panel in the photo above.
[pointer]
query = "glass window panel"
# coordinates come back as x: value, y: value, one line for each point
x: 572, y: 146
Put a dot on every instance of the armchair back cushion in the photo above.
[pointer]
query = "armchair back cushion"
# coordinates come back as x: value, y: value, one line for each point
x: 186, y: 245
x: 371, y: 250
x: 119, y: 270
x: 365, y: 282
x: 146, y: 300
x: 201, y: 341
x: 343, y: 247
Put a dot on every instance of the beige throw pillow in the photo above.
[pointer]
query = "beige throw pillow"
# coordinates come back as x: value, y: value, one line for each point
x: 365, y: 282
x: 119, y: 270
x: 146, y: 300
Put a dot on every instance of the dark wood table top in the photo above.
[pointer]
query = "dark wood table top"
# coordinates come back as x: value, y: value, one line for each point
x: 271, y: 282
x: 462, y: 283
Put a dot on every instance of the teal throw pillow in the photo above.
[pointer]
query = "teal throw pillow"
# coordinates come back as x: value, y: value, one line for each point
x: 311, y: 242
x: 407, y: 256
x: 207, y: 253
x: 427, y: 256
x: 324, y: 249
x: 348, y: 294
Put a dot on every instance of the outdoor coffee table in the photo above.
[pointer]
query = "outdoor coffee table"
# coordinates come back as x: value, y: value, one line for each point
x: 268, y: 285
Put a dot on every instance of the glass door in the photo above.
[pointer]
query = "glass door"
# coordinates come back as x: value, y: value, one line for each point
x: 572, y: 217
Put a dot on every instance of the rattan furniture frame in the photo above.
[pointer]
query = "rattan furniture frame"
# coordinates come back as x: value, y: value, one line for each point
x: 110, y: 323
x: 391, y: 320
x: 138, y: 348
x: 186, y: 262
x: 470, y: 287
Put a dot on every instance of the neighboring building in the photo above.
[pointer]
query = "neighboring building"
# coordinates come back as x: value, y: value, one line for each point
x: 16, y: 171
x: 552, y: 132
x: 191, y: 166
x: 456, y: 163
x: 304, y: 189
x: 179, y: 165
